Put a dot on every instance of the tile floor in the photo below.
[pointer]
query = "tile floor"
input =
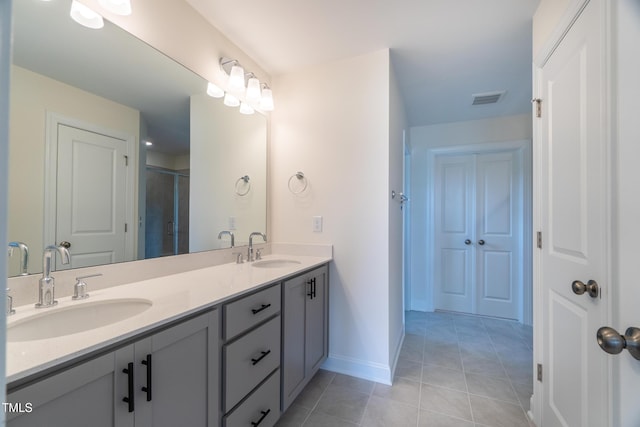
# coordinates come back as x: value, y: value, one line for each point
x: 453, y: 370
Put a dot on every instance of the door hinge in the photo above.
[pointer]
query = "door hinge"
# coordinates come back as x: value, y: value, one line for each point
x: 538, y: 103
x: 125, y: 227
x: 539, y: 239
x: 126, y: 160
x: 539, y: 372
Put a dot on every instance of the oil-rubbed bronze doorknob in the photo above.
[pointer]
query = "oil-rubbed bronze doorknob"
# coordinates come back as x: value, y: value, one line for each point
x: 65, y: 244
x: 481, y: 242
x: 591, y: 288
x: 613, y: 343
x: 467, y: 242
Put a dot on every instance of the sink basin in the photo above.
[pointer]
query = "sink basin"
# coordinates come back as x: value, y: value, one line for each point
x: 275, y: 263
x: 55, y: 322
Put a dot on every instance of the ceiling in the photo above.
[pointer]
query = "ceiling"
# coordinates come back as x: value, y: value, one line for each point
x: 443, y: 51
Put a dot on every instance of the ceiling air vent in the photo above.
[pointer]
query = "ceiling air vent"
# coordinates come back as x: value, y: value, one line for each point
x: 487, y: 98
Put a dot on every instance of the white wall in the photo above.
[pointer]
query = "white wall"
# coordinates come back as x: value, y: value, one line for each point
x: 332, y: 123
x: 32, y: 97
x: 423, y: 138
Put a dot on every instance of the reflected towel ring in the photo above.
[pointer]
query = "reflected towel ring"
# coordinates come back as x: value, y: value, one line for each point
x: 244, y: 179
x: 301, y: 178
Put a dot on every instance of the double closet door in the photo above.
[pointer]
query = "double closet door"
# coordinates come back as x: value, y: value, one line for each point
x: 478, y: 251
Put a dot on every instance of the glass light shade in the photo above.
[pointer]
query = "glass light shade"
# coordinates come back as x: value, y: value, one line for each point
x: 246, y: 108
x: 214, y: 91
x: 85, y: 16
x: 266, y: 102
x: 253, y: 90
x: 236, y: 78
x: 231, y: 101
x: 119, y: 7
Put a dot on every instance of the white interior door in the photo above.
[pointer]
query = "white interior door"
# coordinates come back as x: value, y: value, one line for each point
x: 499, y: 224
x: 478, y: 247
x: 91, y: 196
x: 573, y: 214
x: 454, y: 233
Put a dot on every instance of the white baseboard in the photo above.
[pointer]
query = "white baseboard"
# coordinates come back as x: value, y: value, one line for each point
x: 364, y: 369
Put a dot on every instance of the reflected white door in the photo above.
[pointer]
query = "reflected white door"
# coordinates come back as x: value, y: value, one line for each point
x: 573, y: 209
x: 478, y: 216
x: 91, y: 196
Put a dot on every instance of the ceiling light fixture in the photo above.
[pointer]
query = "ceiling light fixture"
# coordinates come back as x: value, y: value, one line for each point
x: 214, y: 91
x: 85, y: 16
x: 118, y: 7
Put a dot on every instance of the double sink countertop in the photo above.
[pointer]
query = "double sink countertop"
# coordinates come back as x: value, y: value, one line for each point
x: 172, y: 297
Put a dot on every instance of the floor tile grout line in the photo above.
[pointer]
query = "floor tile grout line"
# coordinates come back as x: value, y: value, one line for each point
x: 315, y: 405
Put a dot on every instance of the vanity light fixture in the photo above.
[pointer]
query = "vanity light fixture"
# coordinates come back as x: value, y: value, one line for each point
x: 246, y: 108
x: 118, y: 7
x: 214, y: 91
x: 253, y: 89
x: 257, y: 95
x: 266, y: 101
x: 85, y: 16
x: 230, y: 100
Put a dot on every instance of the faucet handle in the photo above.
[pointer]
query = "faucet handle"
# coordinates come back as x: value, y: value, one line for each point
x: 258, y: 254
x: 80, y: 288
x: 10, y: 309
x: 239, y: 259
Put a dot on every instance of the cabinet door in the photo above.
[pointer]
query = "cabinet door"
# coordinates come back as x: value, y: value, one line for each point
x: 84, y: 395
x: 305, y: 317
x: 183, y: 388
x: 316, y: 323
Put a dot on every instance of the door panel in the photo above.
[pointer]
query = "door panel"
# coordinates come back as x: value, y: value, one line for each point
x: 91, y: 196
x: 453, y: 263
x: 573, y: 179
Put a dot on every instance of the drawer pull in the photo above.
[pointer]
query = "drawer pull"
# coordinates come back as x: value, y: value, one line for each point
x: 262, y: 356
x: 264, y: 414
x: 258, y: 310
x: 129, y: 399
x: 147, y: 388
x: 312, y: 288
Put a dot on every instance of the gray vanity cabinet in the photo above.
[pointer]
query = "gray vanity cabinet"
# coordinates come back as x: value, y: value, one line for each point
x: 305, y: 330
x: 179, y: 388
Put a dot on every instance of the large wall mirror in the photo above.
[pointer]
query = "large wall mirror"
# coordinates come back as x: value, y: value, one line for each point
x: 83, y: 104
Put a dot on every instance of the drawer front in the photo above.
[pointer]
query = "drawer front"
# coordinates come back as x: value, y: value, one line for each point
x: 262, y: 408
x: 249, y: 360
x: 249, y: 311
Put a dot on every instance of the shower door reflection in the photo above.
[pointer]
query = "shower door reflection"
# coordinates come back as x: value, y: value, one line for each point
x: 167, y: 213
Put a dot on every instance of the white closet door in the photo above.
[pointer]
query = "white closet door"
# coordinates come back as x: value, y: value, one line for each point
x: 454, y: 233
x: 499, y: 227
x: 478, y: 233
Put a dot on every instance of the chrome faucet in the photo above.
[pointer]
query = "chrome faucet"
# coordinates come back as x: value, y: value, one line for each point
x: 250, y: 250
x: 24, y: 255
x: 230, y: 233
x: 46, y: 288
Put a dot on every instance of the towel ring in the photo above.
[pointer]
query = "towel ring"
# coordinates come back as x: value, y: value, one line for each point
x: 244, y: 179
x: 300, y: 177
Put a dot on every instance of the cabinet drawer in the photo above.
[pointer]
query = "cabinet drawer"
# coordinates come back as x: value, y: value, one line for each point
x: 249, y: 311
x: 262, y: 408
x: 249, y: 360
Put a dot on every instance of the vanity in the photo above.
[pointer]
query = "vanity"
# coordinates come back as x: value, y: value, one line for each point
x: 226, y: 345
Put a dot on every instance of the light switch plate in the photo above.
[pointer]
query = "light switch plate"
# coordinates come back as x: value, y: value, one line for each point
x: 317, y: 224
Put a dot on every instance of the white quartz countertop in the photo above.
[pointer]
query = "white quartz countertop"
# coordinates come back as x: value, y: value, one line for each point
x: 173, y: 297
